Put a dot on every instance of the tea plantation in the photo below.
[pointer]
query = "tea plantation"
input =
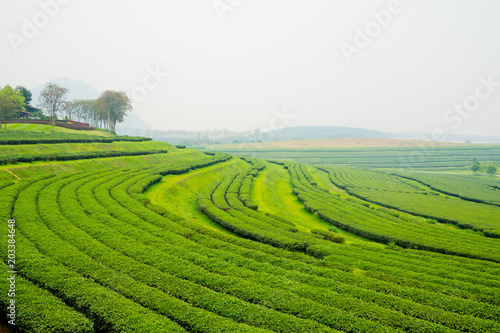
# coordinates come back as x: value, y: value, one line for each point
x: 139, y: 236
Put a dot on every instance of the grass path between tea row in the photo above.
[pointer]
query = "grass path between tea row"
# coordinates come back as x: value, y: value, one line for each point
x: 178, y: 192
x: 272, y: 192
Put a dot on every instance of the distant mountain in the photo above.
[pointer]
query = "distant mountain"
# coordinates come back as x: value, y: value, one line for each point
x: 132, y: 121
x: 319, y: 132
x: 76, y: 90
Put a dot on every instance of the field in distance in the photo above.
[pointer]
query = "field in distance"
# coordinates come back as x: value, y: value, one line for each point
x: 334, y: 143
x: 368, y: 153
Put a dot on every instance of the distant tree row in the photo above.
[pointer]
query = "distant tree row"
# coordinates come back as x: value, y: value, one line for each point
x: 85, y: 110
x: 193, y: 137
x: 110, y: 108
x: 490, y: 167
x: 105, y: 112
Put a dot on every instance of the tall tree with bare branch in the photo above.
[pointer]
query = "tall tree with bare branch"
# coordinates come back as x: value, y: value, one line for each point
x: 53, y: 100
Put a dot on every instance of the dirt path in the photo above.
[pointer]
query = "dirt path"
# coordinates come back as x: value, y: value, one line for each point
x: 12, y: 173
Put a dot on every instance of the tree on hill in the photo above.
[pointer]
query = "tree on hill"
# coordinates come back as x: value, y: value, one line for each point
x: 491, y: 168
x: 86, y: 110
x: 475, y: 165
x: 53, y: 100
x: 114, y: 105
x: 7, y: 109
x: 11, y: 101
x: 26, y: 93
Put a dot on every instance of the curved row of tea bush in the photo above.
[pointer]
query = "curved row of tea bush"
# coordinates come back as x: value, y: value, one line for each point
x: 388, y: 226
x: 475, y: 188
x: 102, y: 319
x: 69, y: 274
x: 36, y: 309
x: 395, y: 192
x: 181, y: 301
x: 98, y: 227
x: 142, y: 253
x: 28, y: 158
x: 179, y: 267
x: 327, y: 253
x: 231, y: 271
x: 179, y: 248
x: 13, y: 137
x: 227, y: 204
x: 432, y: 157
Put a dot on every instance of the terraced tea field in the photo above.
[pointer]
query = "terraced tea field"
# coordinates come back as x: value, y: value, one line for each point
x: 404, y: 194
x: 182, y: 241
x: 473, y: 188
x: 422, y: 156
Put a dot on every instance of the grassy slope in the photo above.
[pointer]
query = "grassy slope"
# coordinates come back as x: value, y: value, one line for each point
x: 178, y: 192
x: 284, y: 203
x: 323, y: 180
x: 29, y: 170
x: 57, y: 129
x: 83, y: 147
x: 25, y: 170
x: 419, y: 199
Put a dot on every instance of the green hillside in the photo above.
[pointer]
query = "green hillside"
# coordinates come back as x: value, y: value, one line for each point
x: 406, y: 195
x: 57, y: 129
x: 14, y: 154
x: 159, y: 239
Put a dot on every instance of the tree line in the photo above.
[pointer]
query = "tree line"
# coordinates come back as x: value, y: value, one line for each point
x: 105, y: 112
x: 194, y: 137
x: 490, y: 167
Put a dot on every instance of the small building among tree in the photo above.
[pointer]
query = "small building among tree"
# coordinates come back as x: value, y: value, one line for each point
x: 29, y: 113
x: 23, y: 114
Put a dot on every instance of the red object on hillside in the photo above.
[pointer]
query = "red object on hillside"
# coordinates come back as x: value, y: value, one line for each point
x: 77, y: 122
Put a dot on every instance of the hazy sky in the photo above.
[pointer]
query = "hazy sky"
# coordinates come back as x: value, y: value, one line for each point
x: 383, y: 65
